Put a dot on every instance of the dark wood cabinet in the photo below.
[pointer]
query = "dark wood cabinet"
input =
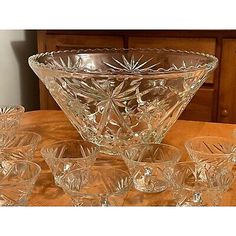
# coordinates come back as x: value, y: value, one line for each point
x: 216, y: 99
x: 227, y: 91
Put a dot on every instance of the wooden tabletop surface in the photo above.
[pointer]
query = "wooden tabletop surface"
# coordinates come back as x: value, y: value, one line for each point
x: 54, y: 126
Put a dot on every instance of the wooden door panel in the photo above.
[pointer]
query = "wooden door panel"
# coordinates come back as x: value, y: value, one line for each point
x: 227, y: 92
x: 200, y: 107
x: 63, y: 42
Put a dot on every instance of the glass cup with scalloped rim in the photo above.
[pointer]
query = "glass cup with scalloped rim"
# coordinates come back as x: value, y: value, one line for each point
x: 194, y: 184
x: 63, y: 156
x: 10, y: 117
x: 97, y: 186
x: 213, y: 151
x: 20, y: 146
x: 17, y: 179
x: 150, y: 165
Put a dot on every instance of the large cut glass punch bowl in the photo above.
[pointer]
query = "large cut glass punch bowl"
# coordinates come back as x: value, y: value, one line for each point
x: 117, y: 97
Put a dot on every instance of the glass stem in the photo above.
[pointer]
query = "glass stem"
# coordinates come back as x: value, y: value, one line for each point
x: 104, y: 201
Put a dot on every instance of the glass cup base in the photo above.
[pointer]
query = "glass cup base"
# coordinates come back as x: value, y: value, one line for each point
x: 152, y: 187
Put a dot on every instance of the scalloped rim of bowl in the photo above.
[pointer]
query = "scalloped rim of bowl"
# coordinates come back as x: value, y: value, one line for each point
x: 21, y: 110
x: 208, y: 66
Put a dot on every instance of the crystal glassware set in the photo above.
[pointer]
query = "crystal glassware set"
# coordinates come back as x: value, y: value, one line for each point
x: 123, y: 102
x: 198, y: 182
x: 18, y: 173
x: 152, y: 168
x: 209, y: 174
x: 75, y: 170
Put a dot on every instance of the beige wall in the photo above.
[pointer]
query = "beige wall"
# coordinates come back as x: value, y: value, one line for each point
x: 18, y: 84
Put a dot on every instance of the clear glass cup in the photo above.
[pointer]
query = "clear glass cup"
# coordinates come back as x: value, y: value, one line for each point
x: 97, y: 186
x: 63, y: 156
x: 10, y: 117
x: 20, y: 146
x: 118, y: 97
x: 213, y: 151
x: 17, y: 179
x: 150, y: 165
x: 195, y: 185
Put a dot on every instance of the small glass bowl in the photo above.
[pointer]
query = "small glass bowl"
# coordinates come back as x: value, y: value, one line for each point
x: 17, y: 179
x: 10, y: 117
x: 20, y: 146
x: 213, y: 151
x: 194, y: 185
x: 67, y: 155
x: 150, y: 165
x: 97, y: 186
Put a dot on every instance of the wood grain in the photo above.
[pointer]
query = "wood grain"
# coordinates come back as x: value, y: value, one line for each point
x: 53, y: 126
x: 65, y: 42
x: 200, y: 107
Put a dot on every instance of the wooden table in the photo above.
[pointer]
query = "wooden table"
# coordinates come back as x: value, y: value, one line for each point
x: 54, y: 126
